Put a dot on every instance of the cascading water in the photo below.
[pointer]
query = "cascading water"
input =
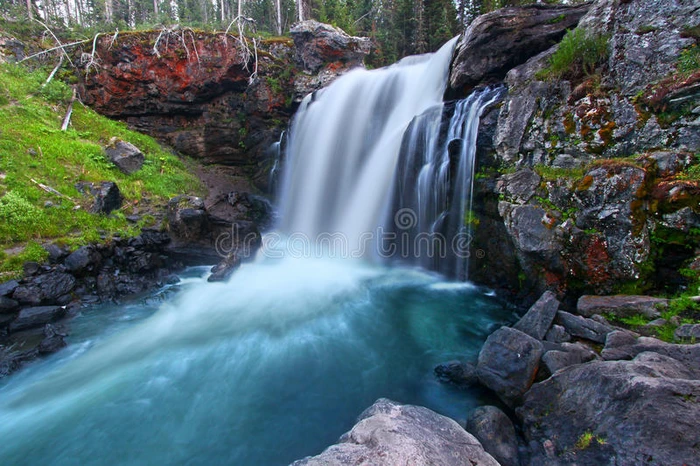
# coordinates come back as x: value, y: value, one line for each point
x: 278, y: 362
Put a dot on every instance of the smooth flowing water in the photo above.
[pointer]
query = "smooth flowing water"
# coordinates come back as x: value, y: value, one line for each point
x: 270, y: 367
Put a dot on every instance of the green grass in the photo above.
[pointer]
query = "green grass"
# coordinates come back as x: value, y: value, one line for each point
x: 588, y: 437
x: 689, y: 60
x: 579, y: 54
x: 32, y: 146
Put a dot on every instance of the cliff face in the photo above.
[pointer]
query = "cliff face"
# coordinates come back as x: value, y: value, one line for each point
x: 210, y: 96
x: 589, y: 179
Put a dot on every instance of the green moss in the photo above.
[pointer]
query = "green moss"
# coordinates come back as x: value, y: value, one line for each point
x: 689, y: 60
x: 586, y: 439
x: 579, y: 54
x: 641, y: 30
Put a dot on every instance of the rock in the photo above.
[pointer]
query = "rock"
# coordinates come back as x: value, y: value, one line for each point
x: 582, y: 327
x: 317, y: 44
x: 461, y: 374
x: 53, y: 341
x: 31, y: 317
x: 126, y: 156
x: 687, y: 332
x: 84, y: 259
x: 643, y: 411
x: 187, y: 218
x: 46, y: 288
x: 7, y: 305
x: 503, y: 39
x: 7, y: 288
x: 520, y: 186
x: 508, y: 363
x: 56, y: 253
x: 682, y: 220
x: 496, y: 433
x: 30, y: 268
x: 390, y: 434
x: 107, y: 196
x: 224, y: 269
x: 539, y: 318
x: 557, y: 334
x: 571, y: 354
x: 622, y: 344
x: 621, y: 305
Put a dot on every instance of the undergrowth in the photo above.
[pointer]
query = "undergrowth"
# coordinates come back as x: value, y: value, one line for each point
x: 579, y: 54
x: 33, y: 150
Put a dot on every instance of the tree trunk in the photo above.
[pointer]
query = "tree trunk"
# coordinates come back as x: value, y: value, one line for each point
x: 278, y: 13
x: 29, y: 10
x: 240, y: 8
x: 108, y: 10
x: 155, y: 9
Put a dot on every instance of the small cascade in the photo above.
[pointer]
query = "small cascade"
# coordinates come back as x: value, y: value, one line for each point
x: 431, y: 216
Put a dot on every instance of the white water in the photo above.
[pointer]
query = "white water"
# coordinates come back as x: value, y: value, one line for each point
x: 344, y: 146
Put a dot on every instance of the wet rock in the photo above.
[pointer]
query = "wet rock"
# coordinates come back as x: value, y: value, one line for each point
x: 498, y: 41
x: 7, y: 288
x: 7, y: 305
x: 508, y: 362
x: 84, y: 259
x: 571, y: 354
x: 582, y: 327
x: 187, y: 218
x: 389, y: 433
x: 621, y: 305
x: 126, y: 156
x: 643, y: 411
x: 460, y: 374
x: 224, y: 269
x: 557, y: 334
x: 520, y: 186
x: 317, y: 44
x: 56, y: 253
x: 31, y: 268
x: 687, y: 332
x: 46, y: 288
x: 496, y: 433
x: 32, y: 317
x: 53, y: 340
x: 539, y: 318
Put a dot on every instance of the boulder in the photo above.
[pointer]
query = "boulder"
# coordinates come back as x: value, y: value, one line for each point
x: 519, y: 186
x: 498, y: 41
x: 621, y: 305
x: 557, y: 334
x: 623, y: 345
x: 582, y: 327
x: 687, y: 332
x: 318, y: 44
x: 46, y: 288
x: 106, y: 194
x: 643, y: 411
x: 126, y: 156
x: 508, y: 363
x: 7, y: 288
x: 32, y: 317
x: 388, y: 433
x: 224, y: 269
x: 460, y: 374
x: 7, y: 305
x: 570, y: 354
x: 53, y: 340
x: 539, y: 318
x: 84, y: 259
x: 496, y: 433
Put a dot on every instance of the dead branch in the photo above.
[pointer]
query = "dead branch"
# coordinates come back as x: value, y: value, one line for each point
x: 53, y: 73
x: 114, y: 39
x: 90, y: 60
x: 254, y: 75
x: 69, y: 112
x: 50, y: 190
x: 62, y: 48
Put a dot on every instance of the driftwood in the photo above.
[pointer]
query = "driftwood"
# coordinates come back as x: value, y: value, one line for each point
x: 50, y: 190
x: 69, y: 112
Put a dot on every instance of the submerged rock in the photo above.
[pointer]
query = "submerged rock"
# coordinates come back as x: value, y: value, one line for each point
x: 388, y: 433
x: 461, y: 374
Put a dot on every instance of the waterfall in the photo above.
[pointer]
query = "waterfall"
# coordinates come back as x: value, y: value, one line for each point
x: 372, y: 161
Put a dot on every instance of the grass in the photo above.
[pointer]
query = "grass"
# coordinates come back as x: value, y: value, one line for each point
x: 32, y: 146
x: 588, y: 437
x: 579, y: 54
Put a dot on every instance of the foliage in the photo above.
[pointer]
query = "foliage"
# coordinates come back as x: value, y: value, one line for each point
x: 579, y: 54
x: 34, y: 150
x: 585, y: 440
x: 689, y: 60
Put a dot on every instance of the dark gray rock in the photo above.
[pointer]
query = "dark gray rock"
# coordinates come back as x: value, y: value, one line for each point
x: 84, y: 259
x: 56, y: 253
x: 224, y: 269
x: 570, y: 354
x: 539, y: 318
x: 461, y: 374
x: 622, y: 344
x: 7, y: 305
x: 687, y: 332
x: 126, y: 156
x: 106, y: 196
x: 46, y: 288
x: 520, y: 186
x: 498, y: 41
x: 496, y: 433
x: 318, y: 44
x: 32, y: 317
x: 7, y: 288
x: 621, y: 305
x: 390, y: 434
x: 187, y: 218
x: 582, y: 327
x: 557, y: 334
x: 31, y: 268
x: 508, y: 363
x: 683, y: 220
x: 53, y: 340
x: 643, y: 411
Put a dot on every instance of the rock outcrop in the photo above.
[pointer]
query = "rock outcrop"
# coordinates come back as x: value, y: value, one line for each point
x: 389, y: 433
x: 205, y: 95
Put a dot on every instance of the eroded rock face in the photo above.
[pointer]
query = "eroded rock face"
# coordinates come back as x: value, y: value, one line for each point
x: 389, y: 433
x: 501, y: 40
x: 318, y: 44
x: 643, y: 411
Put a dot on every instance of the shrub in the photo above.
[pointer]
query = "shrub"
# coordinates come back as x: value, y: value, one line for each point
x: 579, y: 54
x: 18, y: 216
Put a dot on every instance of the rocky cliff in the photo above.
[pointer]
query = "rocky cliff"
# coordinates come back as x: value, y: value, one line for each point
x: 215, y: 96
x: 588, y: 176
